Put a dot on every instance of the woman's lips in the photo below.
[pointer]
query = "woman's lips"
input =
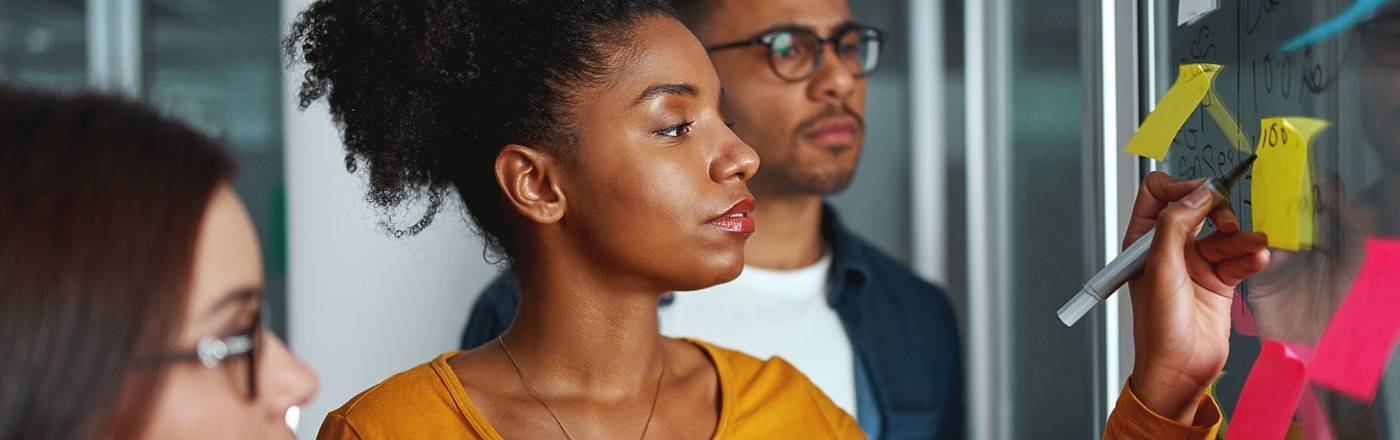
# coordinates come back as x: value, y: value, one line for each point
x: 739, y: 218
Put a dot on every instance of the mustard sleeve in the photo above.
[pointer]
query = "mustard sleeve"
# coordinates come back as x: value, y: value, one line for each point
x: 337, y: 427
x: 846, y: 426
x: 843, y: 426
x: 1133, y: 420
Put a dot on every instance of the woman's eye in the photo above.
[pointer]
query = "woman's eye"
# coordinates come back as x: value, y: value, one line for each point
x: 677, y: 130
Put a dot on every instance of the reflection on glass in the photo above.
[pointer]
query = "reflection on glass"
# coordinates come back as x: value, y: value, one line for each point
x: 1380, y: 107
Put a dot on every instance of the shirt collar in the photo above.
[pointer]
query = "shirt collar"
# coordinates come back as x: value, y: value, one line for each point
x: 849, y: 270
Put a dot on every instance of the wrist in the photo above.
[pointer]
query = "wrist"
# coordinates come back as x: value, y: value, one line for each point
x: 1170, y: 394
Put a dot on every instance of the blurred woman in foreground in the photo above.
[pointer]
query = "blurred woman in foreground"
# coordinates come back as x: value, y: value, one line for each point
x: 130, y: 281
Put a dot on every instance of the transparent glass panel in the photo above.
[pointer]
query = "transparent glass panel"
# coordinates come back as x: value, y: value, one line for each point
x: 217, y: 65
x: 1350, y: 194
x: 1052, y: 367
x: 955, y: 165
x: 43, y: 42
x: 876, y: 205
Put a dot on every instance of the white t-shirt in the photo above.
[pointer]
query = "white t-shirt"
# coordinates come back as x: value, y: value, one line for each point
x: 773, y: 313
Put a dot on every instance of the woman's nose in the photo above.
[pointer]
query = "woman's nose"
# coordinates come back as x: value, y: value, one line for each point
x: 738, y: 160
x: 284, y: 380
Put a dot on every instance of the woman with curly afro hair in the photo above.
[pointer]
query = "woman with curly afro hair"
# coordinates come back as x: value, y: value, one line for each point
x: 584, y: 138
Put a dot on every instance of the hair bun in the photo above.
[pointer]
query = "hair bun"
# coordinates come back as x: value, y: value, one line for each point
x: 427, y: 92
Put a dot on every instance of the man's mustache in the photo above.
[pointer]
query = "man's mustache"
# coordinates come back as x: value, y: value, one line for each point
x: 831, y: 111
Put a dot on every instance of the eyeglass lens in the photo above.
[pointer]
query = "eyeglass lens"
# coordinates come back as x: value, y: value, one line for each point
x: 796, y: 54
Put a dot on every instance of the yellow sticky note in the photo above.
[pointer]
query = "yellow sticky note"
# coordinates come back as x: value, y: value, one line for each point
x: 1282, y: 196
x: 1307, y: 235
x: 1226, y: 120
x: 1157, y: 131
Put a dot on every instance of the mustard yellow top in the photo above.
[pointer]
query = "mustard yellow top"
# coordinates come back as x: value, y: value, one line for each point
x: 759, y: 399
x: 1133, y: 420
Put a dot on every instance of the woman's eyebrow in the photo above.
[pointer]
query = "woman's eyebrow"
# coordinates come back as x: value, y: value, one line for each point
x: 666, y: 89
x: 237, y: 298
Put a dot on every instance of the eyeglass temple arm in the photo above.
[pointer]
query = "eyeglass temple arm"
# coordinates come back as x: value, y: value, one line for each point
x: 745, y: 43
x: 208, y: 351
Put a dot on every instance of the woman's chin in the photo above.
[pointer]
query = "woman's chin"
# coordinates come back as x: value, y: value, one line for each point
x: 730, y: 271
x: 709, y: 274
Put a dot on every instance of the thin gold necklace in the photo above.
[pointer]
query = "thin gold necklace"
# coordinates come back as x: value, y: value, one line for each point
x: 535, y: 395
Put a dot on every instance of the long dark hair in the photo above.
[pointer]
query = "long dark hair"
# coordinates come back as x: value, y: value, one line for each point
x: 101, y: 201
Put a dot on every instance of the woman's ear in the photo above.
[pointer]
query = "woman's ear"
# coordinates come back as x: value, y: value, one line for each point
x: 530, y: 179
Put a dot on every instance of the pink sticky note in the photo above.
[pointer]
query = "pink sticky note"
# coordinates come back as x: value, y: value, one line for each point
x: 1351, y: 355
x: 1241, y: 317
x: 1311, y: 418
x: 1304, y: 352
x: 1270, y: 394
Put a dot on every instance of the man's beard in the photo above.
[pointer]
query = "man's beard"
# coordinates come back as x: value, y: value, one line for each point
x: 787, y: 178
x: 778, y: 178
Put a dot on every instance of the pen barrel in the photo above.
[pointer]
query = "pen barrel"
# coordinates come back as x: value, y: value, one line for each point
x: 1129, y: 263
x: 1123, y: 268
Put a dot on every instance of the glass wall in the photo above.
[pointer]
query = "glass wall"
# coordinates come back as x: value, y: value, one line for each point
x: 1044, y: 221
x: 43, y: 42
x: 1031, y: 217
x: 880, y: 203
x: 1348, y: 200
x: 876, y: 204
x: 217, y: 65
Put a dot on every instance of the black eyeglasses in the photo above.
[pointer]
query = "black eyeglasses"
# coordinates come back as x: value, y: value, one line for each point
x: 211, y: 352
x: 795, y: 53
x: 1380, y: 38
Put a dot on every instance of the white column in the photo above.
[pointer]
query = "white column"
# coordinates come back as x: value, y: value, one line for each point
x: 1111, y: 87
x: 114, y: 45
x: 987, y: 104
x: 928, y: 149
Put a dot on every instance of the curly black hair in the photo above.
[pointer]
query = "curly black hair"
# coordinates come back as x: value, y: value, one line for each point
x: 427, y: 92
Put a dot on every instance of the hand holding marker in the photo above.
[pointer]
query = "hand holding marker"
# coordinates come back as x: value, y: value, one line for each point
x: 1131, y: 261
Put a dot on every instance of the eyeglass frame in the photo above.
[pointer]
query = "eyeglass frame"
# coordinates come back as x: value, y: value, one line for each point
x: 210, y: 352
x: 767, y: 38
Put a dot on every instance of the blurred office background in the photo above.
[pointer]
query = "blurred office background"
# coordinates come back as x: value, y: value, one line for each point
x: 980, y: 171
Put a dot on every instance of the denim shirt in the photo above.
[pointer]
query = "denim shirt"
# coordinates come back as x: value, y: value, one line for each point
x: 902, y: 330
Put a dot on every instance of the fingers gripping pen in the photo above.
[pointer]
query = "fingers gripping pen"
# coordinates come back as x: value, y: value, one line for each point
x: 1130, y: 262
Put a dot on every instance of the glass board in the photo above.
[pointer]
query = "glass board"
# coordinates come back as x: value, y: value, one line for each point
x: 1327, y: 235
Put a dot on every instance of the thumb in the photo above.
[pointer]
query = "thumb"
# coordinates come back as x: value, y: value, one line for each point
x: 1177, y: 225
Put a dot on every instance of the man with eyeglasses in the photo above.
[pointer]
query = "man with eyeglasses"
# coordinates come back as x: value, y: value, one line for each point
x: 880, y: 342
